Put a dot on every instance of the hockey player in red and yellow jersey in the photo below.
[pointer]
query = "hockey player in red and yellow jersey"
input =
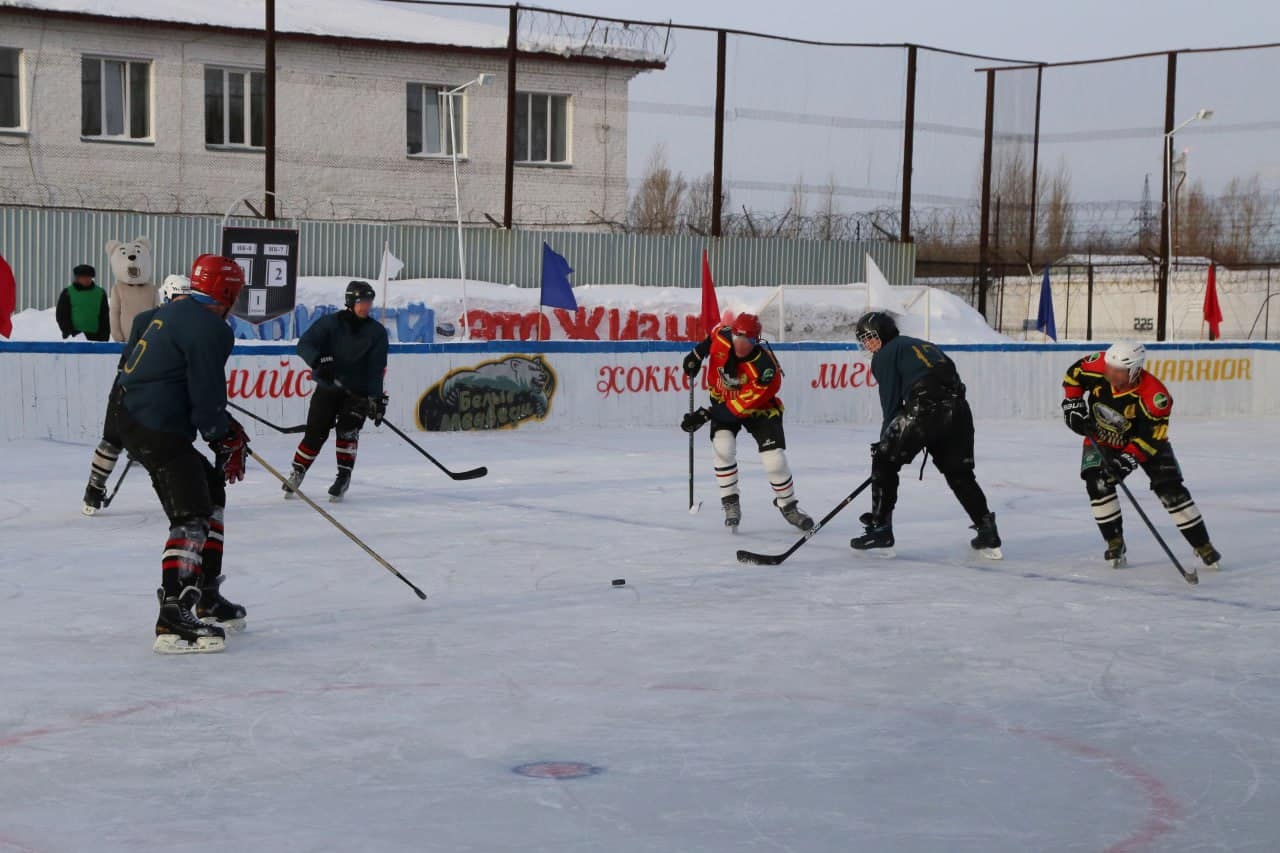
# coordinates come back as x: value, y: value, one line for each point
x: 744, y: 379
x: 1126, y: 411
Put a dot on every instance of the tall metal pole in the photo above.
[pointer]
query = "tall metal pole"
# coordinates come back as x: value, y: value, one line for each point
x: 457, y: 203
x: 908, y: 143
x: 509, y: 167
x: 984, y: 238
x: 717, y: 152
x: 1166, y: 235
x: 269, y: 115
x: 1088, y: 317
x: 1035, y: 173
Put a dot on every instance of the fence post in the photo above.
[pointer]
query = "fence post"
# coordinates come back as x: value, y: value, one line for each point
x: 1088, y: 327
x: 1035, y: 173
x: 908, y: 143
x: 717, y: 154
x: 984, y: 237
x: 269, y: 115
x: 509, y: 167
x: 1162, y: 295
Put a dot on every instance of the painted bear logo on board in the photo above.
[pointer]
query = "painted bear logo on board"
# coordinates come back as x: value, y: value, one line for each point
x: 498, y: 394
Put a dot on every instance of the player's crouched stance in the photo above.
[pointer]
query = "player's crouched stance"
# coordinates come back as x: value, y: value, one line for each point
x: 173, y: 384
x: 1126, y: 410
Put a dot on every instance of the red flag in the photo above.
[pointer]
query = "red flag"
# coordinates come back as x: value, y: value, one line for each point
x: 710, y: 308
x: 1212, y: 310
x: 8, y: 298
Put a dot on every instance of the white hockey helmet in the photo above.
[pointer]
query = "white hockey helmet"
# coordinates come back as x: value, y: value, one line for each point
x: 1127, y: 356
x: 174, y: 285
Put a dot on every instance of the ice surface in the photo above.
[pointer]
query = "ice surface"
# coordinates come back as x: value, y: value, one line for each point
x: 933, y: 702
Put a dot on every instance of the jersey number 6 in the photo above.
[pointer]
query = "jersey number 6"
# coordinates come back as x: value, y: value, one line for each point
x: 141, y: 347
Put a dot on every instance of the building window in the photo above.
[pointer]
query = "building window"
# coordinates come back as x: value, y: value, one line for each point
x: 234, y: 108
x: 427, y: 121
x: 542, y: 128
x: 10, y: 88
x: 115, y: 98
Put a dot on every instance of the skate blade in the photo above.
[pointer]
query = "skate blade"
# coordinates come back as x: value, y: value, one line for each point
x: 231, y: 626
x: 991, y: 553
x: 172, y: 644
x: 1121, y: 563
x: 878, y: 553
x: 732, y: 528
x: 290, y: 495
x: 335, y: 499
x: 89, y: 510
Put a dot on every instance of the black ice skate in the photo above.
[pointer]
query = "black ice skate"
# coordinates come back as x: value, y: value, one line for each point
x: 794, y: 515
x: 1210, y: 555
x: 94, y: 495
x: 340, y: 485
x: 295, y: 480
x: 878, y: 537
x: 179, y: 632
x: 213, y: 609
x: 988, y: 539
x: 1115, y: 553
x: 732, y: 512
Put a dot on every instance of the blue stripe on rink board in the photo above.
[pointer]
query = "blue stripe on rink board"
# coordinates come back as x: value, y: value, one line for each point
x: 553, y: 347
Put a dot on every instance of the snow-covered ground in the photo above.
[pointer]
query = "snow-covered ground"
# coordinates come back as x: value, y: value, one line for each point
x: 932, y: 702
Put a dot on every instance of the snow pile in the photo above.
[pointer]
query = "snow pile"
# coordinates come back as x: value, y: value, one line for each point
x: 426, y: 310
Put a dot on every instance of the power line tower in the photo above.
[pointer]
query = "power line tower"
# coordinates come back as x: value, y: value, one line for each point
x: 1148, y: 222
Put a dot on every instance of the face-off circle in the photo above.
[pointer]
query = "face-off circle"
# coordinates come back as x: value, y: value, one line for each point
x: 557, y: 770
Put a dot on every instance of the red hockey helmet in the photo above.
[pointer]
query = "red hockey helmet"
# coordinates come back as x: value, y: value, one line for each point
x: 747, y: 325
x: 218, y: 278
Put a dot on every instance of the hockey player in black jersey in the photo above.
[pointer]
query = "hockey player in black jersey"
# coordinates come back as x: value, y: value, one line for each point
x: 173, y: 385
x: 347, y: 354
x: 924, y: 406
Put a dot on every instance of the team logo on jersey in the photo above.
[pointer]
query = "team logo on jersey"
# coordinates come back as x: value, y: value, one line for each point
x: 498, y: 394
x: 1112, y: 425
x: 1161, y: 400
x: 766, y: 375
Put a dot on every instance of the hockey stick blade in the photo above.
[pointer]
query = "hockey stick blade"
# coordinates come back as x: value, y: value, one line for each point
x: 473, y: 474
x: 286, y: 430
x: 753, y: 559
x: 456, y: 475
x: 106, y: 502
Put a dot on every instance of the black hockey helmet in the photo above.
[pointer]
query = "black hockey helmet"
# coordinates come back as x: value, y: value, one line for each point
x: 876, y: 324
x: 359, y: 291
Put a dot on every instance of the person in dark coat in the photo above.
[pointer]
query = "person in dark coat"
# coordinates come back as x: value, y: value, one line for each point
x: 82, y: 307
x: 347, y: 354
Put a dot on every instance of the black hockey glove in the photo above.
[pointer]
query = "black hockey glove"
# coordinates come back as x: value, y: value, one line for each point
x: 1076, y: 413
x: 230, y: 452
x: 695, y: 420
x: 692, y: 364
x: 376, y: 408
x: 1122, y: 465
x: 324, y: 369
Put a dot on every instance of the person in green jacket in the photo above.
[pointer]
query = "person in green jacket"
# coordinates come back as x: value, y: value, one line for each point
x: 82, y: 307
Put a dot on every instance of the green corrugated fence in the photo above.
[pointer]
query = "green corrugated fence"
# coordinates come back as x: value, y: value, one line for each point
x: 43, y: 244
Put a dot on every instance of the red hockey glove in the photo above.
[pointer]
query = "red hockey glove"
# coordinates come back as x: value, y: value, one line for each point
x: 230, y: 452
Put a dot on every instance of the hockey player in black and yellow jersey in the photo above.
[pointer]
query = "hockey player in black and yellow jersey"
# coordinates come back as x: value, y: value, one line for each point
x: 1111, y: 398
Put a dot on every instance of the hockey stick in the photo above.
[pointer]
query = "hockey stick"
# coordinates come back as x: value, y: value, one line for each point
x: 1190, y: 577
x: 693, y: 506
x: 457, y: 475
x: 264, y: 421
x: 337, y: 524
x: 106, y: 502
x: 775, y: 559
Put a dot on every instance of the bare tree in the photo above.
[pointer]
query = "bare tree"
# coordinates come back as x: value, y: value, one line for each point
x: 657, y: 203
x: 695, y: 214
x: 1055, y: 224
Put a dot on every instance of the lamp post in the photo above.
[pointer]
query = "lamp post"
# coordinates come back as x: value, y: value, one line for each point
x: 1201, y: 115
x: 449, y: 95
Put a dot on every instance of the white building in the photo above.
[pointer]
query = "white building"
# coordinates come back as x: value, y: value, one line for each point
x: 155, y: 105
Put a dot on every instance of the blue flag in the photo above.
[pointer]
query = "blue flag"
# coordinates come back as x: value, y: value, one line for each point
x: 1044, y: 319
x: 557, y: 292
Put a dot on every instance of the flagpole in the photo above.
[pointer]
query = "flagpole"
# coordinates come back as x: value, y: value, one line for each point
x: 382, y: 276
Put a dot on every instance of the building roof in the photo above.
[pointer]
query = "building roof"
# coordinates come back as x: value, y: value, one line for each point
x: 365, y: 20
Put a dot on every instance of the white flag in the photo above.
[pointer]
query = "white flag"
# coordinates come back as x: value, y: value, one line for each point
x: 880, y: 294
x: 391, y: 266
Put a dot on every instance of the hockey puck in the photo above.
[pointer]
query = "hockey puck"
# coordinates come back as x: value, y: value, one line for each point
x: 619, y: 581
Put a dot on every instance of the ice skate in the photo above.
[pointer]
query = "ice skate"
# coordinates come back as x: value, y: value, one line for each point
x: 794, y: 515
x: 179, y: 632
x: 1115, y: 553
x: 878, y: 539
x: 987, y: 542
x: 340, y: 485
x: 732, y: 512
x: 1210, y: 555
x: 213, y: 609
x: 93, y: 499
x: 295, y: 480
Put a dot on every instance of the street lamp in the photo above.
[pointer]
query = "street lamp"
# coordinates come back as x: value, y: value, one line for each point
x: 1201, y: 115
x: 449, y: 95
